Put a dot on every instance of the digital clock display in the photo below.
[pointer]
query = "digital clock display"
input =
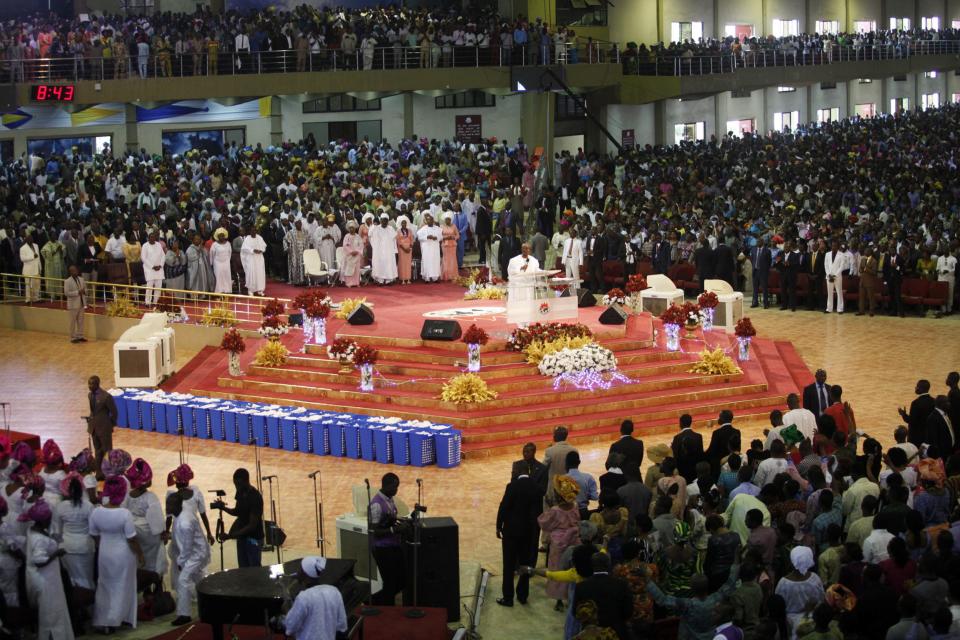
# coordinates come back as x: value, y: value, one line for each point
x: 52, y: 92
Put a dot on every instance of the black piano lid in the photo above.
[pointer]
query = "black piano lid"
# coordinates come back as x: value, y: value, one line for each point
x: 256, y: 583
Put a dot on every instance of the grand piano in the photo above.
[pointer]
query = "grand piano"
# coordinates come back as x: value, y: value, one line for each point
x: 249, y: 596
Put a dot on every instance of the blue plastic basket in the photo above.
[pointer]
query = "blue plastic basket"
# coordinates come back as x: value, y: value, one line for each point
x: 369, y: 445
x: 218, y: 423
x: 422, y: 449
x: 351, y: 438
x: 318, y: 438
x: 174, y: 419
x: 338, y: 444
x: 383, y: 448
x: 400, y: 443
x: 448, y: 448
x: 274, y: 435
x: 234, y: 423
x: 260, y: 429
x: 121, y: 402
x: 288, y: 433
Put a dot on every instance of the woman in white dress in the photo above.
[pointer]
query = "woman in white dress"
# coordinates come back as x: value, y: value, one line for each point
x: 13, y: 492
x: 83, y: 463
x: 71, y: 526
x: 147, y: 516
x: 112, y: 526
x: 192, y: 499
x: 221, y: 253
x: 801, y: 589
x: 7, y: 463
x: 11, y: 542
x: 115, y: 464
x: 44, y: 586
x: 52, y: 473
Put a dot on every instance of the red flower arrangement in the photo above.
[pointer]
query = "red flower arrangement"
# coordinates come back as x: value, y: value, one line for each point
x: 475, y: 335
x: 690, y: 310
x: 272, y: 308
x: 636, y: 283
x: 616, y: 293
x: 674, y: 315
x: 304, y: 300
x: 520, y: 339
x: 744, y: 328
x: 708, y: 300
x: 341, y: 347
x: 233, y: 342
x: 318, y: 308
x: 365, y: 354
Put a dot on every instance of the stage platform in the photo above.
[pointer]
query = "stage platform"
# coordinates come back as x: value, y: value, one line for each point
x: 410, y: 374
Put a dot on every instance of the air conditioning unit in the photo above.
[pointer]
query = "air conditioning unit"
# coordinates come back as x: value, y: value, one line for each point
x: 145, y: 353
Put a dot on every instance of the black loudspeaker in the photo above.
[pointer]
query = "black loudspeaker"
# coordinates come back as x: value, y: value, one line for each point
x: 440, y: 330
x: 361, y: 315
x: 438, y: 564
x: 585, y: 298
x: 613, y: 315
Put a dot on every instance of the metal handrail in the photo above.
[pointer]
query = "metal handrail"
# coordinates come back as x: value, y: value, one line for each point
x: 191, y: 305
x: 186, y: 65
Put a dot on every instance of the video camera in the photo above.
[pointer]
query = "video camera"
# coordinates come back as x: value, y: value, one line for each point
x: 218, y: 503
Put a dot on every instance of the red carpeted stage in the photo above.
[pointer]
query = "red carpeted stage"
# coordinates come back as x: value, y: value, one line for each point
x: 410, y: 374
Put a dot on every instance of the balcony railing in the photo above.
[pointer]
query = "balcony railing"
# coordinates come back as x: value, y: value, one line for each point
x: 697, y: 65
x: 187, y: 65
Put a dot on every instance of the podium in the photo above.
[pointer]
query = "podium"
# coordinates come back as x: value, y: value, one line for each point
x: 730, y: 309
x: 531, y: 298
x: 661, y: 294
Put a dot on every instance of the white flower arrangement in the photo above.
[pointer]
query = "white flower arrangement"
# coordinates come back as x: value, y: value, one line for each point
x: 591, y: 357
x: 274, y: 332
x: 693, y: 317
x: 346, y: 356
x: 608, y: 301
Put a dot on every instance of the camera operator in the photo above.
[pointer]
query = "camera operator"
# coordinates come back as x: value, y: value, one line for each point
x: 247, y: 528
x: 386, y: 530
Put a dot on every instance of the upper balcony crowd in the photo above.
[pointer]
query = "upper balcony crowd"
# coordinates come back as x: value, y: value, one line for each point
x: 46, y: 47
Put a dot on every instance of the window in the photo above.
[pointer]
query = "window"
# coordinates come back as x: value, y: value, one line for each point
x: 929, y: 74
x: 783, y: 28
x: 739, y: 31
x: 786, y: 89
x: 955, y: 98
x: 335, y: 104
x: 866, y: 110
x: 466, y: 99
x: 900, y: 24
x: 955, y: 24
x: 827, y: 26
x: 828, y: 86
x: 683, y: 31
x: 568, y: 108
x: 930, y: 101
x: 830, y: 114
x: 737, y: 128
x: 932, y: 22
x: 689, y: 132
x: 864, y: 80
x: 786, y: 120
x: 899, y: 105
x: 864, y: 26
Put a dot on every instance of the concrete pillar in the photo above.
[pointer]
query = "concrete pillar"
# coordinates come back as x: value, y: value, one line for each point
x: 276, y: 121
x: 594, y: 140
x: 408, y: 131
x: 133, y: 137
x: 536, y: 124
x: 659, y: 122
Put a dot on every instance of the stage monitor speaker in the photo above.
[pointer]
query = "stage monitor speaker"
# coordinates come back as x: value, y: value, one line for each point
x: 440, y: 330
x: 438, y: 562
x: 585, y: 298
x: 295, y: 319
x: 361, y: 315
x: 613, y: 315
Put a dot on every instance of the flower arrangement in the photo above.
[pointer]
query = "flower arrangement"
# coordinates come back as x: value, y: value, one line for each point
x: 521, y: 338
x: 614, y: 296
x: 474, y: 278
x: 219, y: 316
x: 485, y: 292
x: 708, y: 300
x: 744, y: 328
x: 636, y: 283
x: 590, y: 357
x: 475, y: 335
x: 364, y: 354
x: 674, y: 314
x: 467, y: 388
x: 272, y: 308
x: 315, y: 303
x: 233, y: 342
x: 122, y: 307
x: 273, y: 327
x: 272, y: 354
x: 714, y: 363
x: 536, y: 350
x: 348, y: 306
x: 691, y: 314
x: 342, y: 349
x: 166, y: 305
x: 544, y: 308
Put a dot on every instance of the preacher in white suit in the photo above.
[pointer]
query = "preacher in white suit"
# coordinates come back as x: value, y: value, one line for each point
x: 573, y: 257
x: 75, y: 290
x: 833, y: 264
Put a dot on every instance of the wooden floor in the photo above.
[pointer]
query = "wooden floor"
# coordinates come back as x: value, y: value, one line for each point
x: 43, y: 377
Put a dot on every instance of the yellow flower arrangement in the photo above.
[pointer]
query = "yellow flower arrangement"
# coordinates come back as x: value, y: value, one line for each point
x: 486, y: 293
x: 537, y: 350
x: 272, y: 354
x: 122, y: 307
x: 467, y: 388
x: 715, y: 363
x: 467, y: 280
x: 348, y: 305
x: 219, y: 316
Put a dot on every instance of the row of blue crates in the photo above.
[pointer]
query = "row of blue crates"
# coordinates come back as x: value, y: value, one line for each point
x: 377, y: 439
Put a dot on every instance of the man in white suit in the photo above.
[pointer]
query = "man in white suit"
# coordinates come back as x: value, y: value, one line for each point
x: 153, y: 257
x: 74, y: 289
x: 833, y: 264
x: 572, y: 257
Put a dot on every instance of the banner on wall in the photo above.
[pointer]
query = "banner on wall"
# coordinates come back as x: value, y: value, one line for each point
x: 202, y: 111
x: 468, y: 128
x: 179, y: 142
x: 51, y: 117
x: 628, y: 139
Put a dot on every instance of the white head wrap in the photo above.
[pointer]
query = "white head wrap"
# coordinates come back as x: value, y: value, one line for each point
x: 401, y: 220
x: 367, y: 216
x: 313, y: 566
x: 801, y: 558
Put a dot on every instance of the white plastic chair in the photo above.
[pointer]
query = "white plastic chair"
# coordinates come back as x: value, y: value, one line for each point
x: 314, y: 267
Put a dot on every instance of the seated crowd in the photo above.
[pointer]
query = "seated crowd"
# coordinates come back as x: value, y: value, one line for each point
x: 815, y: 533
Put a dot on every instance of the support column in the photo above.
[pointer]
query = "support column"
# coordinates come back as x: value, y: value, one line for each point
x: 660, y: 21
x: 536, y: 124
x: 884, y: 106
x: 763, y: 109
x: 810, y: 115
x: 659, y: 122
x: 849, y: 106
x: 133, y: 135
x: 594, y: 139
x: 276, y: 121
x: 765, y: 28
x: 408, y: 131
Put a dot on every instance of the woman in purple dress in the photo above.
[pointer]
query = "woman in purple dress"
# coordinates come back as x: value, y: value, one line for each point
x: 561, y: 524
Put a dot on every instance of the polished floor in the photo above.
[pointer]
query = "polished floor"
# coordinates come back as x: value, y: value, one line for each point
x: 43, y: 377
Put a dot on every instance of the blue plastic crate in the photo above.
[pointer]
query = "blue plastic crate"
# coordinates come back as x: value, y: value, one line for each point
x: 218, y: 424
x: 400, y: 443
x: 318, y: 437
x: 338, y: 443
x: 368, y: 444
x: 260, y: 428
x: 448, y: 448
x: 234, y: 423
x: 351, y: 438
x: 174, y: 418
x: 288, y: 433
x: 422, y: 450
x: 121, y: 402
x: 274, y: 434
x: 191, y: 420
x: 383, y: 447
x: 303, y: 435
x: 203, y: 422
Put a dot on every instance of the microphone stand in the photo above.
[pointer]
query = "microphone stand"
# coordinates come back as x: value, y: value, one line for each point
x: 321, y: 544
x: 418, y: 508
x: 221, y: 530
x: 369, y: 610
x: 273, y: 513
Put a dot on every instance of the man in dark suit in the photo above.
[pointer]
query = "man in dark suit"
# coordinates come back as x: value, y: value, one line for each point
x: 816, y: 396
x: 687, y: 447
x: 610, y: 594
x: 100, y: 422
x: 705, y: 261
x: 630, y: 448
x: 720, y: 440
x: 531, y: 466
x: 600, y: 242
x: 920, y: 409
x: 894, y: 271
x: 940, y: 430
x: 789, y: 262
x: 660, y: 254
x: 483, y: 231
x: 726, y: 264
x: 818, y: 276
x: 517, y: 529
x: 509, y: 248
x: 761, y: 259
x: 953, y: 384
